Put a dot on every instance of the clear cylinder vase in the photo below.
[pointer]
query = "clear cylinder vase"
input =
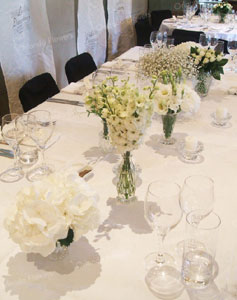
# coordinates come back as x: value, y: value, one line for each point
x: 104, y: 141
x: 168, y: 121
x: 202, y: 83
x: 126, y: 185
x: 222, y: 18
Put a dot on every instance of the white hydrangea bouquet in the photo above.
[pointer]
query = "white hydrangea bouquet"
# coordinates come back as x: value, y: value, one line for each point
x: 128, y: 113
x: 51, y: 213
x: 222, y: 9
x: 209, y: 64
x: 172, y: 59
x: 171, y: 97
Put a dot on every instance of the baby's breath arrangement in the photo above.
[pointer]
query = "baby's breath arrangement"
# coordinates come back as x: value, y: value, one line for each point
x: 172, y: 59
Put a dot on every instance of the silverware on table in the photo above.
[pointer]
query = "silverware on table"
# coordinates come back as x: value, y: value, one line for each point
x: 7, y: 154
x: 65, y: 101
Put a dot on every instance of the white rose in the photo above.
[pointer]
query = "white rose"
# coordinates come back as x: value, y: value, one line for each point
x: 206, y: 61
x: 219, y: 58
x: 213, y: 58
x: 202, y: 53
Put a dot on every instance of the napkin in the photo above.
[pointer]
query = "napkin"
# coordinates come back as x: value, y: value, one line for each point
x: 74, y: 88
x: 232, y: 90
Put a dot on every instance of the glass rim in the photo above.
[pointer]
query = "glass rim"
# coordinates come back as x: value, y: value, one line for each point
x: 203, y: 228
x: 163, y: 181
x: 197, y: 175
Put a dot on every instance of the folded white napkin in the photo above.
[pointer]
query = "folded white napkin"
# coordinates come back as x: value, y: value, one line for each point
x: 73, y: 88
x: 232, y: 90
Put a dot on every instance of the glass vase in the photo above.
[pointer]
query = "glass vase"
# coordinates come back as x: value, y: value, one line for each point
x: 202, y: 83
x: 222, y: 17
x: 168, y: 121
x: 104, y: 141
x: 60, y: 252
x: 126, y: 185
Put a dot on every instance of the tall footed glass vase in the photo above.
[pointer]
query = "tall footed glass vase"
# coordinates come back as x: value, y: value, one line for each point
x: 168, y: 121
x: 126, y: 185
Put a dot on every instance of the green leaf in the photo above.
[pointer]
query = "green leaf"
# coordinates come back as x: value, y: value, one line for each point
x: 223, y: 62
x: 68, y: 240
x: 216, y: 75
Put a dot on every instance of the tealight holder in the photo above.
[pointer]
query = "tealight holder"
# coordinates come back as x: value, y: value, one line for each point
x: 190, y: 155
x: 220, y: 121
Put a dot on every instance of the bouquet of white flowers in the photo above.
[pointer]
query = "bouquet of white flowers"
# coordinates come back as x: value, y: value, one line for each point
x: 171, y: 98
x: 222, y: 9
x: 209, y: 64
x: 61, y: 209
x: 126, y: 110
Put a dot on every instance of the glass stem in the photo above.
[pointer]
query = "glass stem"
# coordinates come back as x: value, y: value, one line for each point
x: 42, y: 155
x: 16, y: 152
x: 160, y: 259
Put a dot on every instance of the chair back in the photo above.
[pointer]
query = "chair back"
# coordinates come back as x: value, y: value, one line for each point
x: 143, y: 31
x: 37, y: 90
x: 157, y: 16
x: 79, y: 66
x: 181, y: 36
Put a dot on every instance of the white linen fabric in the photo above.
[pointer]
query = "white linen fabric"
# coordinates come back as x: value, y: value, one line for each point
x: 63, y: 35
x: 109, y: 262
x: 92, y: 29
x: 25, y: 48
x: 221, y: 31
x: 120, y: 27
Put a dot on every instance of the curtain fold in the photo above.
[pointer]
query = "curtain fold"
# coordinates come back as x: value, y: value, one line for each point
x: 25, y: 48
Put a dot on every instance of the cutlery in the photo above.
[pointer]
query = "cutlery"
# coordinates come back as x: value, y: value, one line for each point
x: 6, y: 151
x: 5, y: 154
x: 64, y: 101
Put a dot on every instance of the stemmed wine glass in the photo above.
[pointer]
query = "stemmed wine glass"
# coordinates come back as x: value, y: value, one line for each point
x: 12, y: 135
x: 197, y: 194
x: 232, y: 49
x: 40, y: 129
x: 163, y: 213
x: 153, y: 39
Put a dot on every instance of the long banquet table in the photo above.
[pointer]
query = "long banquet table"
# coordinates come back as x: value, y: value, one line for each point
x: 108, y: 263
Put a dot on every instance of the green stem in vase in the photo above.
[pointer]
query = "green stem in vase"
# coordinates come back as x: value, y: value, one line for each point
x: 126, y: 183
x: 105, y: 129
x: 168, y: 124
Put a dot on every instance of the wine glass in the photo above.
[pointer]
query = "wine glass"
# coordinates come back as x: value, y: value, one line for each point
x: 153, y: 39
x: 12, y: 136
x: 212, y: 40
x: 159, y: 39
x: 163, y: 213
x: 40, y: 129
x: 232, y: 49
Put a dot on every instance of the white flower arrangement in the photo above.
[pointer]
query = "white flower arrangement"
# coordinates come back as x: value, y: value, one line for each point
x: 62, y: 204
x: 127, y: 111
x: 172, y: 59
x: 172, y: 97
x: 222, y: 8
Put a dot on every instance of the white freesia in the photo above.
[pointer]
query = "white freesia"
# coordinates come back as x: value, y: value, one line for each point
x: 46, y: 210
x: 126, y: 110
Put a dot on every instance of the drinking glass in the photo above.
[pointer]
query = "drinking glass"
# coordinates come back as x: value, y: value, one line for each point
x: 12, y: 136
x: 40, y: 129
x: 159, y: 39
x: 232, y: 49
x: 220, y: 47
x: 153, y: 39
x: 163, y: 213
x: 198, y: 267
x: 203, y: 41
x: 212, y: 41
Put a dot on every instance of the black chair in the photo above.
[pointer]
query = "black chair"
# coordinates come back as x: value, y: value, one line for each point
x: 143, y: 31
x: 37, y: 90
x: 181, y: 36
x: 157, y: 16
x: 79, y: 66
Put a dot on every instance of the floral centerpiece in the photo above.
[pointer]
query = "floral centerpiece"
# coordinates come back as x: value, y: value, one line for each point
x: 128, y: 113
x: 172, y: 97
x: 155, y: 62
x: 222, y: 9
x: 52, y: 213
x: 209, y: 64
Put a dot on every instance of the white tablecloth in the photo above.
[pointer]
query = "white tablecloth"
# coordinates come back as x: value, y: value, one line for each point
x: 108, y: 263
x: 221, y: 31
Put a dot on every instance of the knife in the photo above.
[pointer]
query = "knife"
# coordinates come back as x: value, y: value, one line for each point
x: 64, y: 101
x: 5, y: 154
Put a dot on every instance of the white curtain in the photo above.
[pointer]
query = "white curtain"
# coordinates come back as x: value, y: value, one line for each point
x: 25, y: 47
x: 120, y: 27
x: 92, y: 29
x: 62, y: 27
